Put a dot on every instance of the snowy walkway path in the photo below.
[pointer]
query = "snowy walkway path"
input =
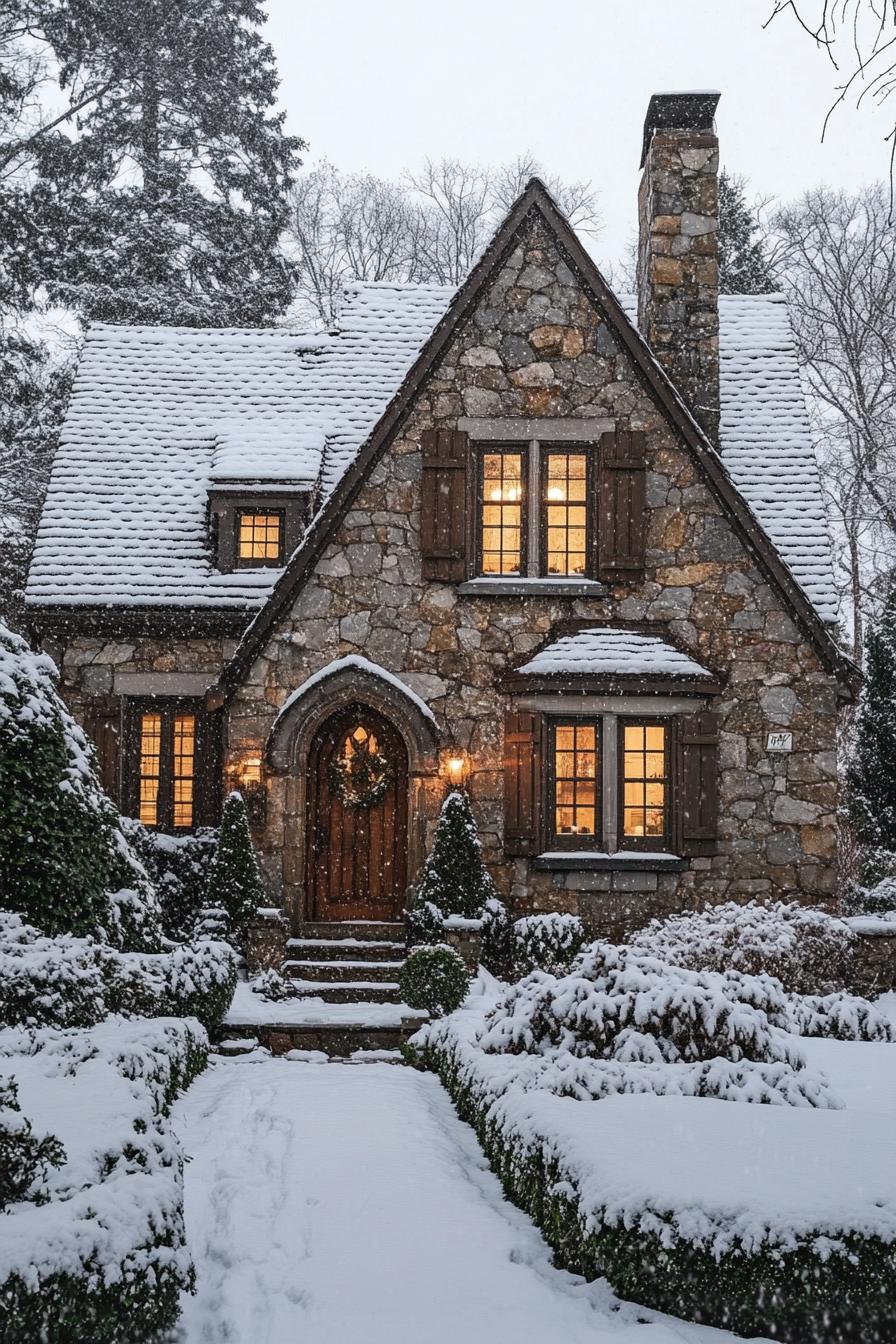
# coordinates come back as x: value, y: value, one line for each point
x: 347, y: 1204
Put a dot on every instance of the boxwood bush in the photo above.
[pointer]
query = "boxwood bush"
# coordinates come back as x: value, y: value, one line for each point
x: 547, y: 942
x: 434, y: 978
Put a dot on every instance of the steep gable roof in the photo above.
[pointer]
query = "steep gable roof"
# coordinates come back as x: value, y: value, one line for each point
x: 536, y: 198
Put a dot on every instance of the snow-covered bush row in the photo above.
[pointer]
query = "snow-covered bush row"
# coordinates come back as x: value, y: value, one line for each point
x: 660, y: 1191
x: 94, y: 1248
x: 617, y: 1004
x: 546, y: 942
x: 806, y: 949
x: 841, y: 1016
x: 75, y: 982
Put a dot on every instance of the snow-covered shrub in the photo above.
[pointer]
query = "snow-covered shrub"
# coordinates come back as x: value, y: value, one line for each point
x: 497, y: 939
x: 179, y: 867
x: 424, y: 924
x: 455, y: 880
x: 434, y: 978
x: 56, y: 824
x: 844, y: 1017
x: 548, y: 942
x: 102, y: 1257
x: 273, y: 986
x: 619, y: 1004
x: 234, y: 881
x: 192, y: 980
x: 806, y: 949
x: 25, y: 1159
x: 49, y: 981
x: 877, y: 900
x: 134, y: 923
x: 212, y: 924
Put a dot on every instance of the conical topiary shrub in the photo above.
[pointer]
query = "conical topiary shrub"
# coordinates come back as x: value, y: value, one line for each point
x: 455, y: 879
x: 235, y: 884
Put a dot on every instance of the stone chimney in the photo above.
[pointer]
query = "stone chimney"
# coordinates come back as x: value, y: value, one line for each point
x: 678, y: 250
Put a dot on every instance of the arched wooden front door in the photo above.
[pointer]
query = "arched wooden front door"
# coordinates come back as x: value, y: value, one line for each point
x: 357, y: 822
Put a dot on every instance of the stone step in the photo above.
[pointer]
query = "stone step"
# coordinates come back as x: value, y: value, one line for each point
x: 350, y: 991
x: 370, y: 971
x: 338, y: 1040
x: 344, y: 949
x: 365, y: 930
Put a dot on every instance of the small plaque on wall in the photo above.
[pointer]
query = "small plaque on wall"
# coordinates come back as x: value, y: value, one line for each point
x: 780, y: 742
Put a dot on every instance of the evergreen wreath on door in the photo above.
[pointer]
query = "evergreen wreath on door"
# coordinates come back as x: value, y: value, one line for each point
x: 361, y: 776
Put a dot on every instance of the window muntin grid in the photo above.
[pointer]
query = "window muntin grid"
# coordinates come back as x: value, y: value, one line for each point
x: 645, y: 781
x: 150, y: 768
x: 576, y: 774
x: 259, y: 537
x: 565, y: 512
x: 503, y: 512
x: 183, y: 769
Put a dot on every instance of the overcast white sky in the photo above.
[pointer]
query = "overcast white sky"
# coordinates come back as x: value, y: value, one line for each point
x: 381, y: 84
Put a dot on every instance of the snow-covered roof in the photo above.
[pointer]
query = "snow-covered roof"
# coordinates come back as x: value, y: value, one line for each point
x: 160, y: 414
x: 604, y: 651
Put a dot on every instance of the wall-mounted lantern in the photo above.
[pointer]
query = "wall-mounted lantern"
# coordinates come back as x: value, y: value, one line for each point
x: 247, y: 775
x: 456, y: 766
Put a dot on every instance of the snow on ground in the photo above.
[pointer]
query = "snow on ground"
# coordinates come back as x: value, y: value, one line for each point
x: 339, y: 1202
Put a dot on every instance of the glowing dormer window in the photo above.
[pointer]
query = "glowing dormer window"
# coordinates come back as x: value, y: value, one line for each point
x: 259, y: 537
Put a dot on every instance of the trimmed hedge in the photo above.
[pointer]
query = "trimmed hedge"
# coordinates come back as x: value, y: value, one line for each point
x: 104, y: 1257
x: 548, y: 942
x: 795, y: 1293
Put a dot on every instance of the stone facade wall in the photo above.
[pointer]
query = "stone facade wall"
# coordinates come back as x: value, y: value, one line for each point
x: 537, y: 347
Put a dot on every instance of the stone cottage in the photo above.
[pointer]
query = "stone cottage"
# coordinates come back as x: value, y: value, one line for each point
x: 563, y: 547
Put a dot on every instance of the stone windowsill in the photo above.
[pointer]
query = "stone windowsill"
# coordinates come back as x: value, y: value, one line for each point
x: 570, y: 860
x: 487, y: 587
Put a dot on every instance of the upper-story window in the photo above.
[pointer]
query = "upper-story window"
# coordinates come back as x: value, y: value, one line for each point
x: 536, y: 510
x: 259, y: 538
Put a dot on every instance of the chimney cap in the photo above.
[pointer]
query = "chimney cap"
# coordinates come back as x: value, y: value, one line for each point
x: 689, y: 111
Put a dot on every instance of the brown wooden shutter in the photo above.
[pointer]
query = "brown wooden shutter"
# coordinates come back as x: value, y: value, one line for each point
x: 444, y: 521
x: 209, y: 767
x: 102, y: 724
x: 522, y: 782
x: 621, y: 510
x: 698, y: 783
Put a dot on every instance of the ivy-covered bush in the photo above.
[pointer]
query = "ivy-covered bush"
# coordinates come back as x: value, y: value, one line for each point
x: 94, y: 1248
x: 455, y: 881
x: 76, y: 982
x: 434, y: 978
x: 25, y: 1158
x: 809, y: 951
x: 179, y: 867
x: 548, y: 942
x: 235, y: 883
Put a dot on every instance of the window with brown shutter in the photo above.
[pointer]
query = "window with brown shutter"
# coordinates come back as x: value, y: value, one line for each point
x: 444, y: 517
x: 622, y: 490
x: 102, y: 725
x: 522, y: 783
x: 645, y: 794
x: 698, y: 783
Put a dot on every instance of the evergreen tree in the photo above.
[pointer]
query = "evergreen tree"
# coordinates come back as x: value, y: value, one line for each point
x: 871, y: 774
x: 743, y: 266
x: 455, y: 879
x: 235, y: 884
x: 177, y: 181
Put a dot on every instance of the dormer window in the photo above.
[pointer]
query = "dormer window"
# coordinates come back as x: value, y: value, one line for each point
x: 259, y: 537
x: 256, y: 528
